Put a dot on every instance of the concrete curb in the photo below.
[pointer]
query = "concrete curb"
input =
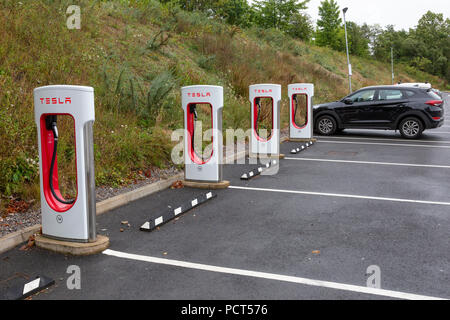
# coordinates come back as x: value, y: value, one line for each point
x: 207, y: 185
x: 303, y: 140
x: 73, y: 248
x: 12, y: 240
x: 123, y: 199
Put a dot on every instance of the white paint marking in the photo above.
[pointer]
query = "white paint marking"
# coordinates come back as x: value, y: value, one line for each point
x: 159, y: 221
x: 371, y: 162
x: 338, y: 195
x: 209, y: 195
x: 436, y: 132
x: 30, y: 286
x: 177, y: 211
x: 385, y: 139
x: 271, y: 276
x: 146, y: 225
x: 386, y: 144
x: 194, y: 202
x: 251, y: 174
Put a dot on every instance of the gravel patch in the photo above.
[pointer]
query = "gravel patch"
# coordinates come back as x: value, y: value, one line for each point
x: 17, y: 221
x: 103, y: 193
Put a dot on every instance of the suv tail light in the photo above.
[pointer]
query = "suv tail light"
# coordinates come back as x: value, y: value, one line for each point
x: 434, y: 103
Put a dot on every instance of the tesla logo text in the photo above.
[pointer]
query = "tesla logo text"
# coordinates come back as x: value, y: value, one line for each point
x: 56, y: 100
x: 299, y: 89
x: 199, y: 94
x: 263, y: 91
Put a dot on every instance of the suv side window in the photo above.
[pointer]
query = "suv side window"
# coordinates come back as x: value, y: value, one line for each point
x: 389, y: 95
x: 363, y: 96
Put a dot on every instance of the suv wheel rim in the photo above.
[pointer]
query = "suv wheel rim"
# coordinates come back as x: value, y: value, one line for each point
x: 411, y: 128
x: 325, y: 125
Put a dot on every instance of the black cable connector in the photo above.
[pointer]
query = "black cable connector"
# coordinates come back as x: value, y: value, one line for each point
x: 295, y: 109
x: 258, y: 103
x: 193, y: 109
x: 50, y: 122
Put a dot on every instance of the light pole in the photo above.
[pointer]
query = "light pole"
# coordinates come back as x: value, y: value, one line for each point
x: 392, y: 64
x: 348, y: 56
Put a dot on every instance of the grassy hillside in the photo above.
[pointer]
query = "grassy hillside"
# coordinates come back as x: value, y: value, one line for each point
x: 137, y: 55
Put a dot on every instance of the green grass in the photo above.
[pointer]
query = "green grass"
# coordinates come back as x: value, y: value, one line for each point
x: 137, y: 55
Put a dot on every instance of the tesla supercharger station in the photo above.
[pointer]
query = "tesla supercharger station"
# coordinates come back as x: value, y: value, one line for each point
x: 261, y: 146
x: 66, y: 219
x: 305, y: 91
x: 198, y: 169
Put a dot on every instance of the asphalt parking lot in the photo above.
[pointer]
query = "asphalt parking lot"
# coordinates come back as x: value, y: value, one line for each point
x: 310, y: 232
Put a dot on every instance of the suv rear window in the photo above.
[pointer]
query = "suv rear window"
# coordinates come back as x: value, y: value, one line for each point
x: 435, y: 96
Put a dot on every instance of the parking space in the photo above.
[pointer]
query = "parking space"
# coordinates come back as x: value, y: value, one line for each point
x: 309, y: 232
x: 255, y: 232
x: 382, y: 147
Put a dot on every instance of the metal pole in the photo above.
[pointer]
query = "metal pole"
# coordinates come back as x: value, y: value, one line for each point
x: 348, y: 56
x: 392, y: 63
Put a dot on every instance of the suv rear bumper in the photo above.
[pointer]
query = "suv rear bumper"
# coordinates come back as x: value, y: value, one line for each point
x: 436, y: 123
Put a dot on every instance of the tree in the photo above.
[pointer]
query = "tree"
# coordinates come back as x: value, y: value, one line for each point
x: 434, y: 32
x: 234, y: 12
x: 301, y: 27
x: 196, y: 5
x: 426, y: 47
x: 277, y: 13
x: 359, y: 39
x: 329, y: 24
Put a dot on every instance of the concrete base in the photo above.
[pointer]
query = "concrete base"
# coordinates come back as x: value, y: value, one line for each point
x: 73, y: 248
x: 206, y: 185
x: 302, y: 140
x: 266, y: 156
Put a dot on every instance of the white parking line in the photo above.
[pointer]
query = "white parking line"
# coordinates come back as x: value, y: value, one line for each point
x: 386, y: 144
x: 372, y: 162
x: 382, y: 139
x: 271, y: 276
x: 339, y: 195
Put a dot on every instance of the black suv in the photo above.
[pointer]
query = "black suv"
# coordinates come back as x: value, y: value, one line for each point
x: 409, y: 110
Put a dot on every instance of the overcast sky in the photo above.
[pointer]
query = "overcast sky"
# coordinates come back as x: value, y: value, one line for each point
x: 403, y: 14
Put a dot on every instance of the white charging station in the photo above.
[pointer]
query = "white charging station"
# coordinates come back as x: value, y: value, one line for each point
x: 196, y: 168
x: 63, y: 219
x: 260, y: 146
x: 296, y: 92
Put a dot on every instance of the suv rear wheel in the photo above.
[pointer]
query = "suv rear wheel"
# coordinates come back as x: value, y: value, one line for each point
x: 411, y: 128
x: 326, y: 125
